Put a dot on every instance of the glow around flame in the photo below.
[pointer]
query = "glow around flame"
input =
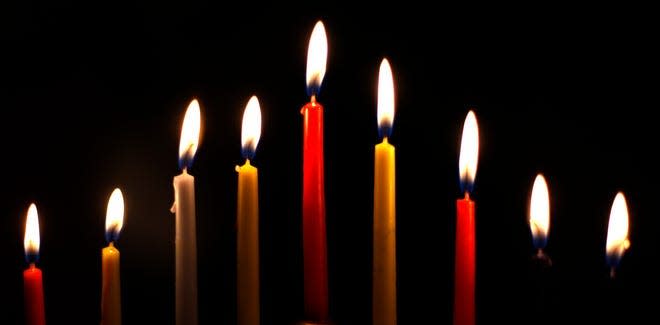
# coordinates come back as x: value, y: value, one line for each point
x: 189, y: 135
x: 317, y: 56
x: 467, y: 162
x: 31, y: 241
x: 385, y: 99
x: 617, y: 230
x: 539, y: 211
x: 251, y: 130
x: 114, y: 216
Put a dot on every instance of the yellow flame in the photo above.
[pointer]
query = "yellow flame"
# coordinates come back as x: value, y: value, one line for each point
x: 539, y: 208
x: 190, y: 131
x: 317, y: 55
x: 385, y: 94
x: 32, y: 240
x: 617, y: 230
x: 114, y: 216
x: 467, y: 162
x: 251, y: 130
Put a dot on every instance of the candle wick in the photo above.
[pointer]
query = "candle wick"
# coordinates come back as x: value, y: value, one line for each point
x: 612, y: 272
x: 313, y: 100
x: 112, y: 244
x: 33, y: 266
x: 467, y: 195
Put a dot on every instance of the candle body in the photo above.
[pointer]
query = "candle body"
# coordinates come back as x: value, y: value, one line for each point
x: 248, y: 245
x: 314, y: 231
x: 186, y: 250
x: 384, y: 238
x: 464, y: 272
x: 34, y: 296
x: 111, y: 287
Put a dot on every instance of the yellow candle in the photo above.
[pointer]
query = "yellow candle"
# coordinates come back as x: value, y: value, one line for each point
x: 248, y: 220
x: 185, y: 240
x: 111, y: 286
x: 384, y: 245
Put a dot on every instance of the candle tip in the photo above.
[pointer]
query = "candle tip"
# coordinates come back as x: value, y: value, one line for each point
x: 543, y: 258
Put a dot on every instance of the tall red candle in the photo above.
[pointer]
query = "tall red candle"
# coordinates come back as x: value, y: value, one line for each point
x: 465, y: 268
x: 315, y: 260
x: 32, y: 280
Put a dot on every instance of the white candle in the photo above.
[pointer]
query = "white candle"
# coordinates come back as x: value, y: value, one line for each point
x: 186, y: 235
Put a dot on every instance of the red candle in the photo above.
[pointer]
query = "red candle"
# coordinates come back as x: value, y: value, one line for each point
x: 314, y: 232
x: 464, y: 271
x: 32, y: 280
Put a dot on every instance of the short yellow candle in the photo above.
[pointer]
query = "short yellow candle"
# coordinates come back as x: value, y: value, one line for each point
x: 384, y: 240
x: 248, y: 220
x: 111, y: 290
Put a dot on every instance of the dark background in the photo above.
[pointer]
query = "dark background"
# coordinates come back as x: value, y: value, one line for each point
x: 92, y: 97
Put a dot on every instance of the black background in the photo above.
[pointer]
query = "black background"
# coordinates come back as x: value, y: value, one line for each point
x: 92, y: 97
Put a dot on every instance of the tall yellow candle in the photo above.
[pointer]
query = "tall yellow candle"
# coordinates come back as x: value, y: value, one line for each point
x: 384, y: 239
x: 186, y: 230
x: 111, y: 286
x: 248, y: 219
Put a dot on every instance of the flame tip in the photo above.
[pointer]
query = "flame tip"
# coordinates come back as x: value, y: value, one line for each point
x: 317, y: 56
x: 468, y: 158
x: 251, y: 128
x: 386, y: 101
x: 190, y: 131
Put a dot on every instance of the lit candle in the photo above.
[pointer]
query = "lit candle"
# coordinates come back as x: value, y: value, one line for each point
x: 617, y: 232
x: 540, y: 280
x: 111, y: 286
x: 247, y: 219
x: 315, y: 261
x: 186, y: 235
x: 539, y: 217
x: 32, y: 281
x: 464, y: 272
x: 384, y: 245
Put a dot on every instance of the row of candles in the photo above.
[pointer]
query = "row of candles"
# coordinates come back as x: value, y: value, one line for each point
x: 313, y: 218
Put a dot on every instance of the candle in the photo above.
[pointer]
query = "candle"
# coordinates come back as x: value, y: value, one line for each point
x: 111, y: 286
x: 314, y: 233
x: 184, y: 207
x: 247, y: 219
x: 32, y: 280
x: 539, y: 217
x: 540, y: 280
x: 384, y: 238
x: 617, y: 232
x: 464, y: 271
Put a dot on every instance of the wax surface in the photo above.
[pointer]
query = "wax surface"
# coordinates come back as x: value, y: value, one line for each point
x: 186, y: 250
x: 34, y: 296
x: 111, y: 287
x: 464, y: 275
x: 314, y: 231
x: 384, y: 238
x: 248, y: 245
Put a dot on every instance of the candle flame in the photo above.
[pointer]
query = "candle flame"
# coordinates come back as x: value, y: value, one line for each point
x: 189, y: 135
x: 617, y: 230
x: 467, y: 162
x: 251, y: 130
x: 385, y: 99
x: 114, y: 216
x: 539, y: 211
x: 31, y: 241
x: 317, y: 56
